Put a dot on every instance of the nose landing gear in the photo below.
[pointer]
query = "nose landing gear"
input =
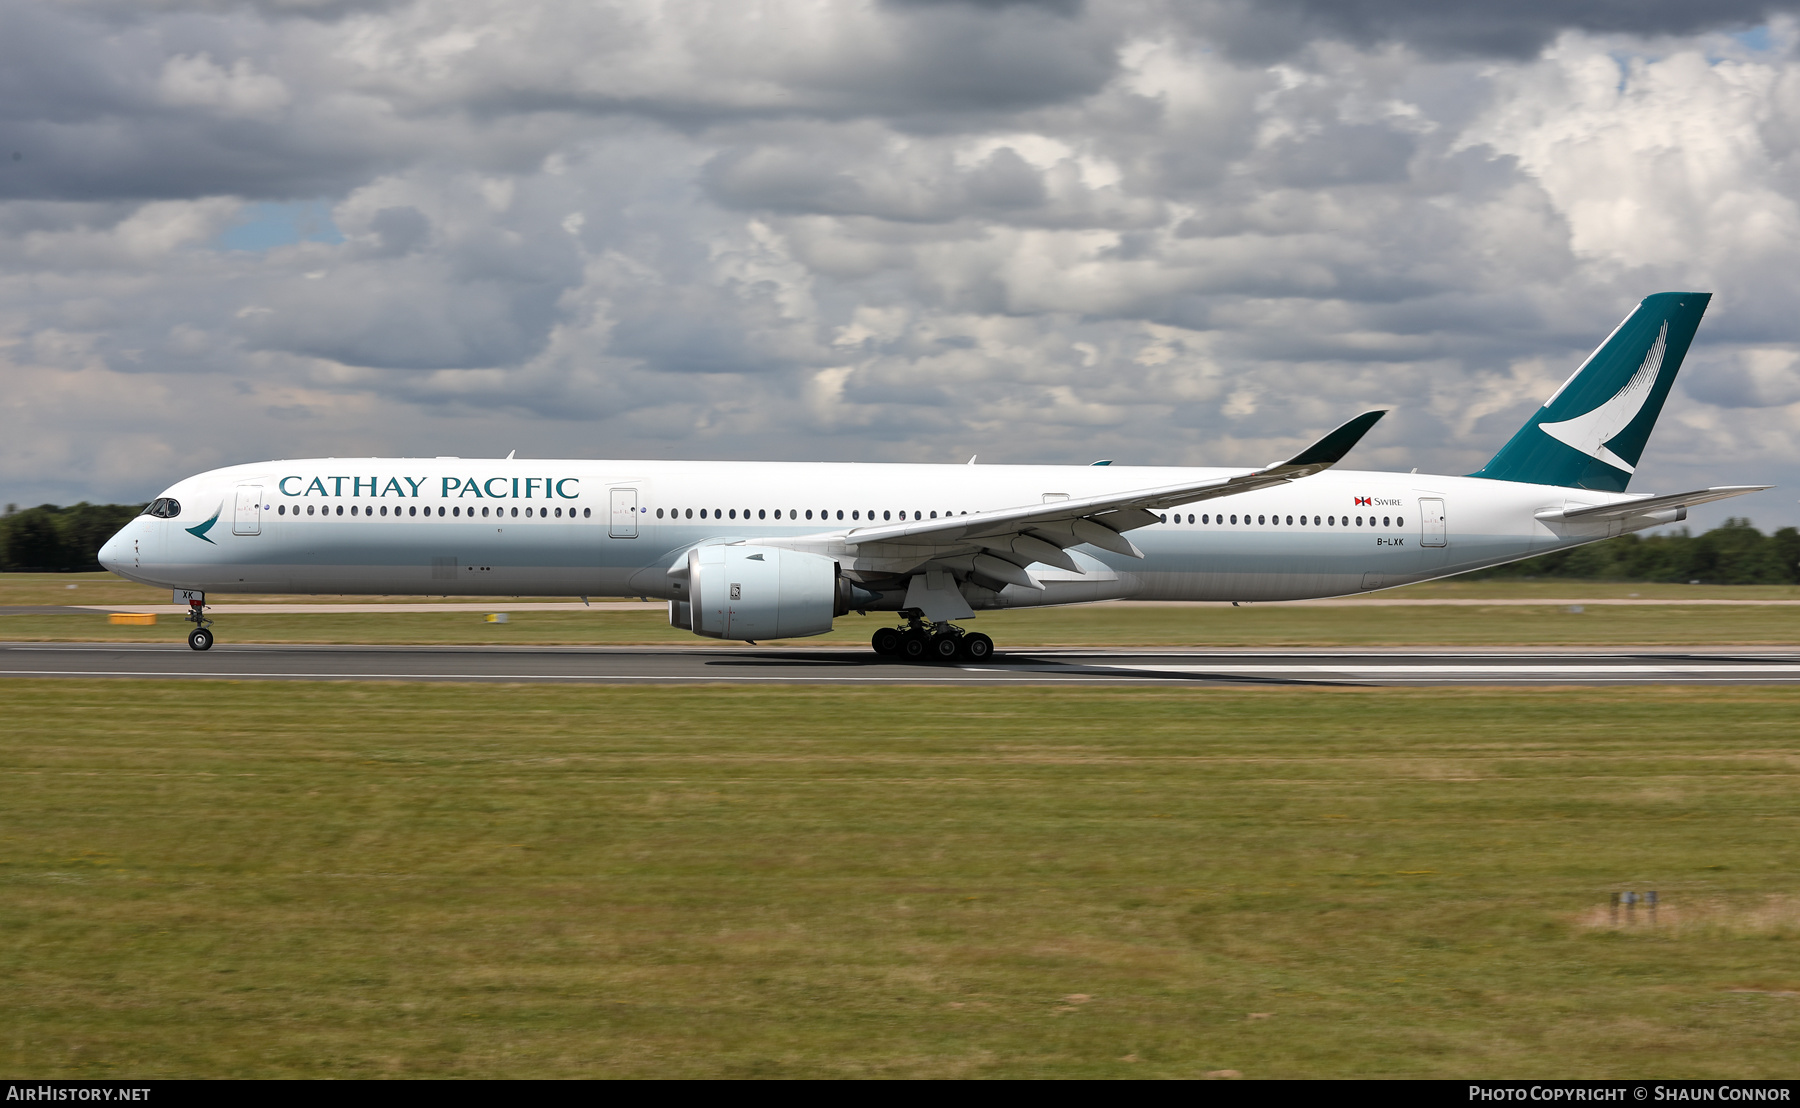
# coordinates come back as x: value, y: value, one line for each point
x: 922, y: 640
x: 199, y: 638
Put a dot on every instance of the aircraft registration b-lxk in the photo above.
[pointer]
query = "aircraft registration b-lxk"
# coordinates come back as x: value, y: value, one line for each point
x: 767, y: 550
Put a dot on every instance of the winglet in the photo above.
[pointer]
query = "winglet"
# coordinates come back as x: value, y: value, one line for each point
x: 1331, y: 449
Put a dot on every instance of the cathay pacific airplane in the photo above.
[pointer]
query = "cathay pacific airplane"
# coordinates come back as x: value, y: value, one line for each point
x: 775, y: 550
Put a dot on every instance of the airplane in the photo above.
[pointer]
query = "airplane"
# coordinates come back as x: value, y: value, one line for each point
x: 752, y: 551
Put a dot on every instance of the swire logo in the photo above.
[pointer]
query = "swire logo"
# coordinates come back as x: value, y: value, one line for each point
x: 1362, y: 501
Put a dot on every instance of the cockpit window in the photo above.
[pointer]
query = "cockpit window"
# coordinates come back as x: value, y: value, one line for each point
x: 164, y: 507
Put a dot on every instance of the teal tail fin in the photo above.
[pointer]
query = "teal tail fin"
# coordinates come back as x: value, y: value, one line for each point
x: 1591, y: 432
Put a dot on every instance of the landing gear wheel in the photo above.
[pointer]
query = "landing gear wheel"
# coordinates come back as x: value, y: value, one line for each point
x: 886, y: 641
x: 913, y: 647
x: 977, y: 647
x: 945, y: 647
x: 200, y: 638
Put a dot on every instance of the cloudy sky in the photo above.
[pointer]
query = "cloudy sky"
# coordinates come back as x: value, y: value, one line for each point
x: 1192, y: 232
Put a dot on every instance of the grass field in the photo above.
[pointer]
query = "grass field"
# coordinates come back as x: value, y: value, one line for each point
x: 1098, y: 625
x: 107, y: 588
x: 255, y: 879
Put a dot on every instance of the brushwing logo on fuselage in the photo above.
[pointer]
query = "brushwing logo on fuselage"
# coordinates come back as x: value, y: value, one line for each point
x: 199, y: 530
x: 1591, y: 432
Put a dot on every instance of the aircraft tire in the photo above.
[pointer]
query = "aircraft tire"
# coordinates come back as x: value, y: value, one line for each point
x: 914, y: 647
x: 945, y: 647
x: 886, y: 641
x: 200, y: 638
x: 977, y: 647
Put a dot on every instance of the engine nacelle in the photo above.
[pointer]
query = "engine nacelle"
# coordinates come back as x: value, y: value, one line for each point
x: 760, y: 592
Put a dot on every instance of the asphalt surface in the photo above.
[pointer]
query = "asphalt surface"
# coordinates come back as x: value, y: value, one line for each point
x: 641, y: 665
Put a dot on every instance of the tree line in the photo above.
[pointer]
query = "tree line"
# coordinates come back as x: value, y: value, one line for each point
x: 49, y: 539
x: 1734, y: 553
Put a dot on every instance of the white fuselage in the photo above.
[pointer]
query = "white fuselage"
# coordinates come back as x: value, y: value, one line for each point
x: 610, y: 528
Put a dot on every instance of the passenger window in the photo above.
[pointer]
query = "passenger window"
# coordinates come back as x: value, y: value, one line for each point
x: 856, y: 515
x: 840, y: 513
x: 1234, y: 519
x: 1260, y: 519
x: 809, y: 513
x: 1399, y: 521
x: 1384, y: 522
x: 886, y: 515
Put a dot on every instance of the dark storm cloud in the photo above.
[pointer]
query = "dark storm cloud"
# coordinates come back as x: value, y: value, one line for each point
x: 1268, y: 29
x: 98, y: 108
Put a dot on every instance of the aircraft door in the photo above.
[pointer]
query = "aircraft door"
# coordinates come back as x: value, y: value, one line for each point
x: 624, y: 514
x: 246, y: 517
x: 1433, y: 530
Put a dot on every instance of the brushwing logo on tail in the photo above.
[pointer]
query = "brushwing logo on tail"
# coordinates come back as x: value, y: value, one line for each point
x: 199, y: 530
x: 1589, y: 433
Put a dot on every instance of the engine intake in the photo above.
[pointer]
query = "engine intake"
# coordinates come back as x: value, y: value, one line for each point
x: 760, y: 592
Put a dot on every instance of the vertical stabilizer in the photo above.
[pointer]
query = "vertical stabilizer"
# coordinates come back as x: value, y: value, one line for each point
x: 1591, y: 432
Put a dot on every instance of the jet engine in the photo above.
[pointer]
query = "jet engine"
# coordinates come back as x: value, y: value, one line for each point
x: 760, y: 592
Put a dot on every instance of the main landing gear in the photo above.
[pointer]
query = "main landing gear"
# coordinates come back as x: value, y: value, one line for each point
x: 200, y: 638
x: 924, y: 641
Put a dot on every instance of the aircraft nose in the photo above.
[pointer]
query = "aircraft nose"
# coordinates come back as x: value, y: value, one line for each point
x: 116, y: 552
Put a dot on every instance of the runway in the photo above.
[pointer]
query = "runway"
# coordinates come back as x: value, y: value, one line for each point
x: 641, y: 665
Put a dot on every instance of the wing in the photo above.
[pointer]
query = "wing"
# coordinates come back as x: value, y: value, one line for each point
x: 1003, y: 543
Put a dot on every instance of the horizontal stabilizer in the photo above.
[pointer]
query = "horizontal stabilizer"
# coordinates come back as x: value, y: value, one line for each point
x: 1645, y: 505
